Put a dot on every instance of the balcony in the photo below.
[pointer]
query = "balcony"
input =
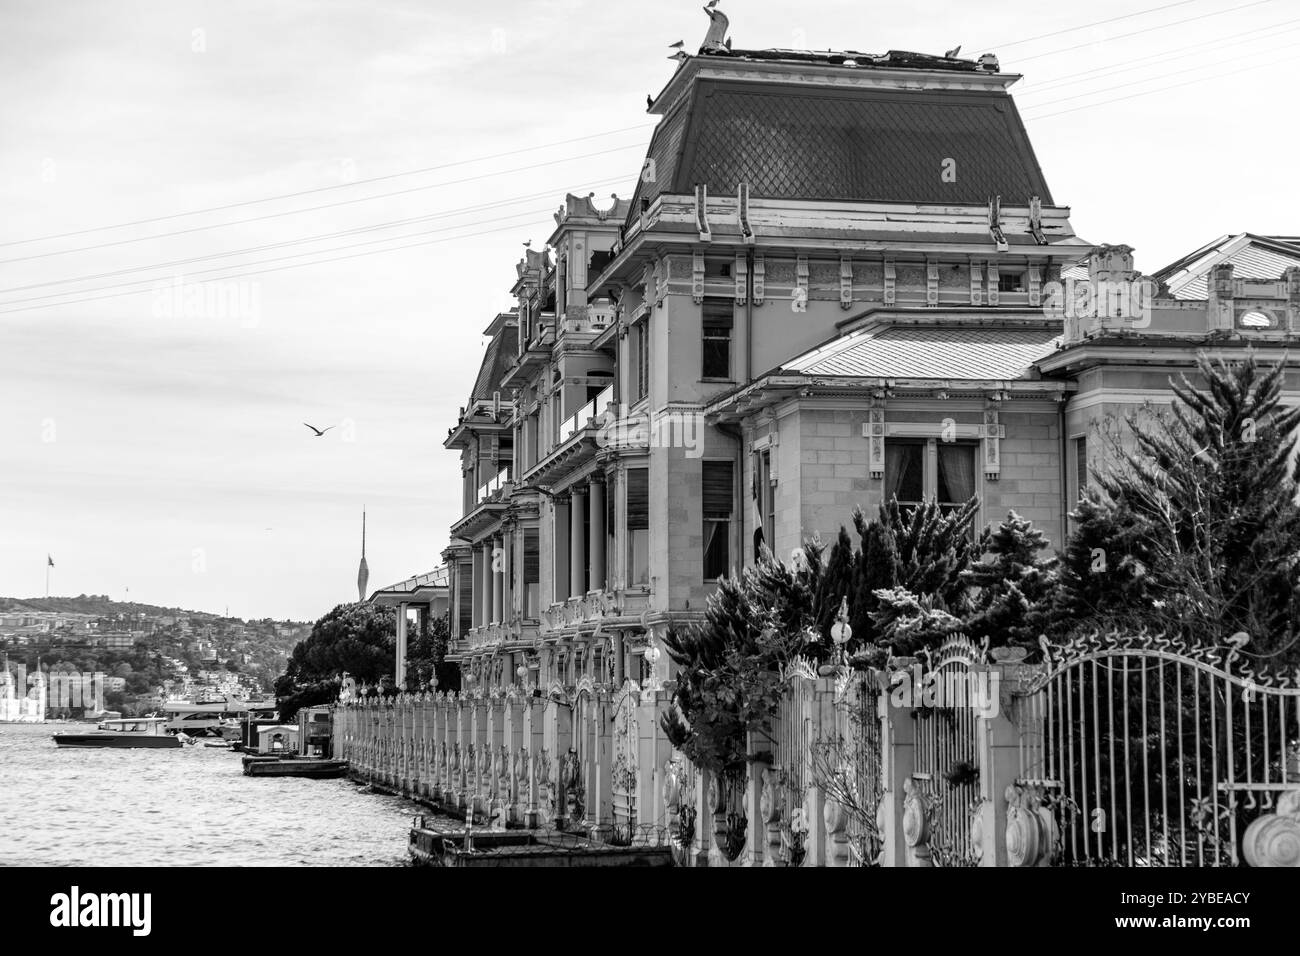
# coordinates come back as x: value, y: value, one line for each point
x: 583, y: 416
x: 491, y: 489
x: 595, y: 607
x: 486, y: 635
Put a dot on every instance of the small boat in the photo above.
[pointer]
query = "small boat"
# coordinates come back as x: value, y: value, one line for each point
x: 319, y: 768
x: 128, y: 732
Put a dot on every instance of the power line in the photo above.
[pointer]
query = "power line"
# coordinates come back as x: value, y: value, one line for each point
x: 1167, y: 56
x: 1084, y: 26
x: 318, y: 189
x: 291, y: 242
x: 298, y: 265
x: 1150, y: 79
x: 343, y: 202
x: 1162, y: 26
x: 1174, y: 86
x: 295, y: 255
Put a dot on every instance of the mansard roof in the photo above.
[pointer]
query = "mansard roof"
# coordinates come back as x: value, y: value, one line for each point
x: 807, y: 141
x: 496, y: 360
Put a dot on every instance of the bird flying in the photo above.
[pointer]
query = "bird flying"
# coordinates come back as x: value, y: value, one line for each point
x: 319, y: 432
x: 678, y: 45
x: 711, y: 4
x: 954, y: 51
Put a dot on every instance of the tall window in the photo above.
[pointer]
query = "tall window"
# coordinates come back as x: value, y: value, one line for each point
x: 718, y: 497
x: 638, y: 526
x: 916, y: 469
x: 718, y: 318
x: 532, y: 573
x: 641, y: 345
x: 465, y: 597
x: 764, y: 503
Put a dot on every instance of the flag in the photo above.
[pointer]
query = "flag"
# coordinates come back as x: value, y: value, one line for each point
x: 49, y: 560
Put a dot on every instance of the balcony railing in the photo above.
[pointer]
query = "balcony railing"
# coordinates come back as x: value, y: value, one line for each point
x: 495, y: 485
x: 585, y: 414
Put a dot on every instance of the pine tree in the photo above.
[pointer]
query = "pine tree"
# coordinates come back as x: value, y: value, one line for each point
x: 836, y: 584
x: 1011, y: 586
x: 876, y: 568
x: 1199, y: 519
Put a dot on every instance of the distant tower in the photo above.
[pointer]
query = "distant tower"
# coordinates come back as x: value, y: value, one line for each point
x: 363, y: 572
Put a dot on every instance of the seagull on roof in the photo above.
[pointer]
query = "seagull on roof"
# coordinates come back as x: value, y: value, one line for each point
x: 954, y: 51
x: 678, y: 45
x: 649, y: 101
x: 319, y: 432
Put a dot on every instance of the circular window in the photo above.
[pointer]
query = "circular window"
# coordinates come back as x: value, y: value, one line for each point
x: 1257, y: 320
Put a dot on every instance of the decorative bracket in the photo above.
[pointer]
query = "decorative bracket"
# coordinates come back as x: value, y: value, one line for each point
x: 1034, y: 285
x: 801, y: 274
x: 702, y: 213
x: 876, y: 439
x: 995, y: 223
x: 759, y: 280
x: 1036, y: 220
x: 992, y: 274
x: 931, y: 282
x: 846, y: 282
x: 741, y: 275
x: 976, y: 283
x: 890, y: 276
x: 697, y: 278
x: 993, y: 433
x: 742, y: 212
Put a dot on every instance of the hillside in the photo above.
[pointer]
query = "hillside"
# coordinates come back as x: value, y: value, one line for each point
x: 100, y: 605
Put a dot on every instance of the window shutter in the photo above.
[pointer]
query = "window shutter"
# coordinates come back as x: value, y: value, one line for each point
x: 717, y: 477
x: 532, y: 557
x: 464, y: 581
x: 638, y: 499
x: 719, y: 313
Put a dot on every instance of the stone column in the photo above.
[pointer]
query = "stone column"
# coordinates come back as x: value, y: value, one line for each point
x: 400, y: 676
x: 596, y: 538
x: 498, y: 580
x: 485, y: 581
x: 508, y: 602
x: 577, y: 543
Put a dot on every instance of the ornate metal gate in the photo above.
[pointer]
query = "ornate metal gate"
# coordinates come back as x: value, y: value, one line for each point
x: 624, y: 772
x: 948, y: 695
x: 1145, y: 754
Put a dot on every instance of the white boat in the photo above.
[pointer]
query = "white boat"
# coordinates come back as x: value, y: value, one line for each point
x: 127, y: 732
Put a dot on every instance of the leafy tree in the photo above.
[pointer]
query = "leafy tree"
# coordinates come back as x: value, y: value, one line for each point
x: 729, y: 680
x: 426, y: 655
x: 357, y: 638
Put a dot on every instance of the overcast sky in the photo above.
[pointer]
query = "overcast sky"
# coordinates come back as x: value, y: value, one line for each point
x: 149, y: 447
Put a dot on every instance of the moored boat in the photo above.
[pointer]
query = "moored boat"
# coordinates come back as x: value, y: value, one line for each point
x: 317, y: 767
x: 129, y: 732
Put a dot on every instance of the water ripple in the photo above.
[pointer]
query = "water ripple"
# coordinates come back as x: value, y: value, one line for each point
x: 186, y: 807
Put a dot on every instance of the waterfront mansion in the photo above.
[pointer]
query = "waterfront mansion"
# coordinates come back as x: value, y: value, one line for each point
x: 837, y: 280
